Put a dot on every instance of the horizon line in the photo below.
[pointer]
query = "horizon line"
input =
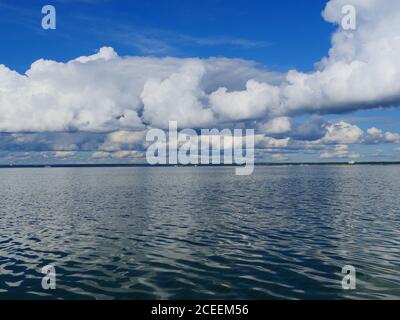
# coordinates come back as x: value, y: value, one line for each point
x: 116, y: 165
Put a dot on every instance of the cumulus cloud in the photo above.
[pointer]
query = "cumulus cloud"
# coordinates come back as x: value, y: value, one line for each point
x: 362, y: 67
x: 107, y: 92
x: 334, y: 143
x: 376, y: 136
x: 178, y: 97
x: 361, y: 71
x: 123, y: 140
x: 269, y: 142
x: 342, y: 133
x: 277, y: 126
x: 253, y: 103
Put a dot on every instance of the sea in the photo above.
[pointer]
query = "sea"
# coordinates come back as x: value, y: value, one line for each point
x: 284, y: 232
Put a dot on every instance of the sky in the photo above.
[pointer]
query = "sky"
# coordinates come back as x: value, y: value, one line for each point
x: 87, y: 91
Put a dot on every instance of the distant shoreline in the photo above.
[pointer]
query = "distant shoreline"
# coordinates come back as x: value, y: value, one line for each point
x: 272, y: 164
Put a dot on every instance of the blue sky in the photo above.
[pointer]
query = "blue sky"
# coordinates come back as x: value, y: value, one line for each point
x: 257, y: 30
x: 273, y: 36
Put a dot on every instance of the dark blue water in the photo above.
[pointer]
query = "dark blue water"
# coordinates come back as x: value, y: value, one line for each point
x: 200, y: 233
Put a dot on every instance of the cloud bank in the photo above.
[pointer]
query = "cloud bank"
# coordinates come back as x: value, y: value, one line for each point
x: 105, y: 92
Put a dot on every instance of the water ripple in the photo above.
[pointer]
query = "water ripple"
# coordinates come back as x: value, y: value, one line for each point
x: 200, y: 233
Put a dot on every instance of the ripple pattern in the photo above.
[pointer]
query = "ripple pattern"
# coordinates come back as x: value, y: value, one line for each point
x: 200, y: 233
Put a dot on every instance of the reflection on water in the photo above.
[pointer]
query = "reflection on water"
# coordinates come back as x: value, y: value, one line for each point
x: 189, y: 233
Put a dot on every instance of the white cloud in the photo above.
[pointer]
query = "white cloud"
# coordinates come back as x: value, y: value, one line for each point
x: 106, y: 92
x: 177, y: 98
x: 105, y: 53
x: 269, y: 142
x: 276, y: 126
x: 279, y: 157
x: 118, y: 140
x: 127, y: 154
x: 377, y: 136
x: 340, y: 151
x: 63, y: 154
x: 342, y: 133
x: 361, y: 71
x: 101, y: 154
x: 253, y: 103
x: 117, y: 154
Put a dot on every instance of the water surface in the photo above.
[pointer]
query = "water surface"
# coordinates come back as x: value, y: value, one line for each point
x: 200, y: 233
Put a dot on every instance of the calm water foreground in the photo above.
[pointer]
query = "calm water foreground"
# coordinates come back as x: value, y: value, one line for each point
x: 200, y: 233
